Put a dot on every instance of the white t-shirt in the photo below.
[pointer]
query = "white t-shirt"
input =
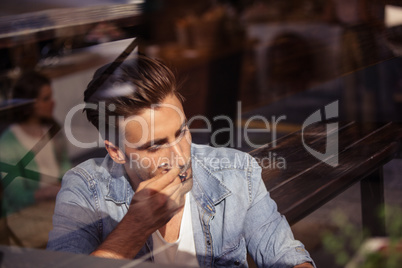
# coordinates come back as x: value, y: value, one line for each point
x: 181, y: 252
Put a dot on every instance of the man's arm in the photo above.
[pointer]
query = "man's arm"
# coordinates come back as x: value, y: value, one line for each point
x: 268, y: 235
x: 125, y: 241
x: 154, y: 204
x: 77, y: 220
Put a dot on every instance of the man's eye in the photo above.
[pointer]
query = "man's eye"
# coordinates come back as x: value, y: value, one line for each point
x: 153, y: 148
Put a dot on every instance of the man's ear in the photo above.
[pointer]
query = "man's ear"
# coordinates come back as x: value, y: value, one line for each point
x: 115, y: 153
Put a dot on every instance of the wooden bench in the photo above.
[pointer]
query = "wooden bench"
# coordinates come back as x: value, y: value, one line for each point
x: 307, y: 183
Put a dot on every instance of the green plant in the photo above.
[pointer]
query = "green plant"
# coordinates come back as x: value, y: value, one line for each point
x: 348, y: 239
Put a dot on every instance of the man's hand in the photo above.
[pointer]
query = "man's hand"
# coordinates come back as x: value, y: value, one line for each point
x: 155, y: 202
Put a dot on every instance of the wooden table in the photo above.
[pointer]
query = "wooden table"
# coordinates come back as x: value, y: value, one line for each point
x: 307, y: 183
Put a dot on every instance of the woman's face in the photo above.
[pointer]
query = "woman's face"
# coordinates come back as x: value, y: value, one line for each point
x: 44, y: 103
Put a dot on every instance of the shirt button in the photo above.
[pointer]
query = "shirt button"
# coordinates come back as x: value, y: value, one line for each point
x: 237, y: 263
x: 208, y: 242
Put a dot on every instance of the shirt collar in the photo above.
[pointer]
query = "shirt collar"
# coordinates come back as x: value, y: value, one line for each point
x: 119, y: 188
x: 205, y: 178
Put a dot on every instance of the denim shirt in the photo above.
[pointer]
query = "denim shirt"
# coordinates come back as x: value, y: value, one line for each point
x: 232, y: 212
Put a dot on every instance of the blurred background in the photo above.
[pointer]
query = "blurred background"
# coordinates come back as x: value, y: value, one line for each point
x: 237, y: 58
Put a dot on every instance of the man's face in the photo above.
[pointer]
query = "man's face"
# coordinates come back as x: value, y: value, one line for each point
x: 156, y: 140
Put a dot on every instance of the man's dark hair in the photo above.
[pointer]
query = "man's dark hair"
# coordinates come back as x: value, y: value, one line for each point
x: 134, y: 85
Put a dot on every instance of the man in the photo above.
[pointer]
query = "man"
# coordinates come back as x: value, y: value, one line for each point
x: 158, y: 196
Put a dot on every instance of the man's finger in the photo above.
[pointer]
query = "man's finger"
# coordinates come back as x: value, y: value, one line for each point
x: 158, y: 183
x: 175, y: 186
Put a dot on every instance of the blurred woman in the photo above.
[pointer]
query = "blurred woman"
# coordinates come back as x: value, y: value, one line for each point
x: 32, y: 150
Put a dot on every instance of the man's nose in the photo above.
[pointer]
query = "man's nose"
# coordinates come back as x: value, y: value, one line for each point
x: 178, y: 155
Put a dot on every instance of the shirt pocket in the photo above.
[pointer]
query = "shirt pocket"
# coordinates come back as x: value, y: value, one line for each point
x: 234, y: 257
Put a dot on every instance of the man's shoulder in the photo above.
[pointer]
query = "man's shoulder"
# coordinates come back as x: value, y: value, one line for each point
x: 90, y: 165
x: 94, y: 168
x: 97, y: 179
x: 220, y: 158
